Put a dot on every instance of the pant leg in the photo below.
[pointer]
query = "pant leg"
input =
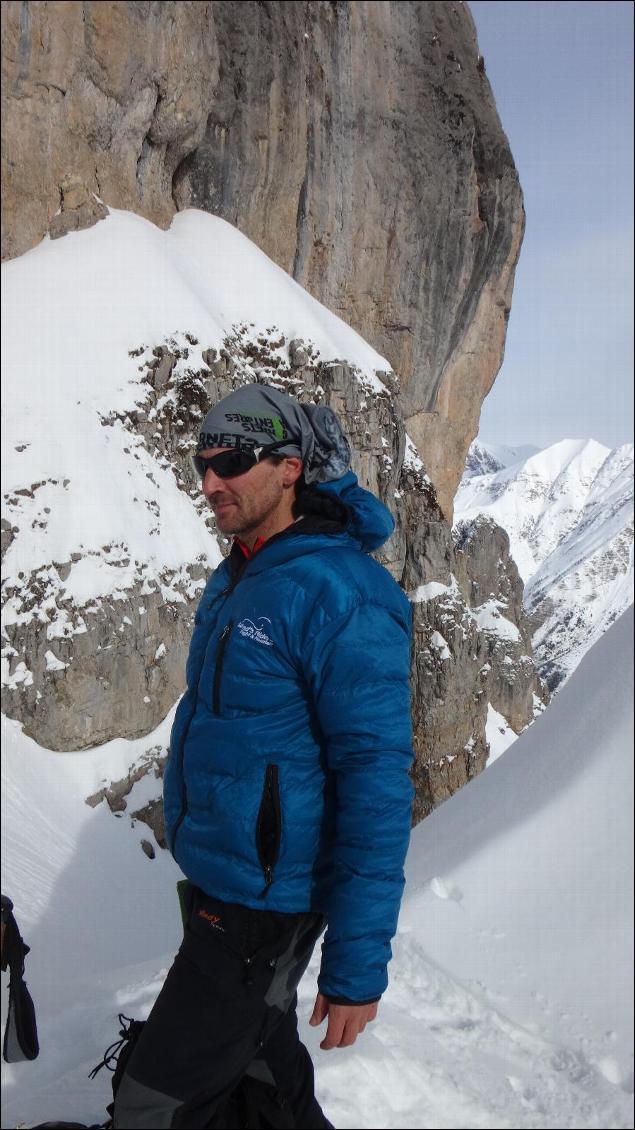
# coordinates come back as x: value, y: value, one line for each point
x: 229, y: 988
x: 200, y: 1036
x: 285, y: 1062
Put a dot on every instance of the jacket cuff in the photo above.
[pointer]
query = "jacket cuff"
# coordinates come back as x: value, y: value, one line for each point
x: 345, y: 1000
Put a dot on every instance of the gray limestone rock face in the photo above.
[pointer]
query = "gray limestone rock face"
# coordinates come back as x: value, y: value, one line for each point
x: 449, y: 700
x: 488, y: 577
x: 485, y: 569
x: 358, y: 144
x: 115, y: 672
x: 113, y: 95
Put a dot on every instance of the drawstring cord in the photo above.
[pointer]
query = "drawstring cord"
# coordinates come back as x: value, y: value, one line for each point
x: 111, y: 1055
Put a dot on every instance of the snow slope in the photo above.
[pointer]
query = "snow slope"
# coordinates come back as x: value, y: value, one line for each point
x: 511, y: 985
x: 73, y: 310
x: 568, y: 511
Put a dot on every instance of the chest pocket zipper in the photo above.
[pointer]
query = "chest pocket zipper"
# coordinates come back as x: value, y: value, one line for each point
x: 218, y: 666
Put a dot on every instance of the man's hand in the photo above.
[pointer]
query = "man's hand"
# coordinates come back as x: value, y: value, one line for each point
x: 346, y: 1021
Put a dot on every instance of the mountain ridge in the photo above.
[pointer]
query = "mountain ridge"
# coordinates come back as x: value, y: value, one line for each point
x: 568, y: 510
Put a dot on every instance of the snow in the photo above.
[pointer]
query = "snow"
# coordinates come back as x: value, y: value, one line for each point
x: 509, y: 1002
x: 568, y: 511
x: 20, y: 675
x: 440, y: 645
x: 432, y: 590
x: 75, y: 486
x: 540, y: 497
x: 489, y: 619
x: 412, y: 459
x: 498, y: 733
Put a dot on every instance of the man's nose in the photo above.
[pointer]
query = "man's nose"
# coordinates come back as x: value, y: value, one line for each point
x: 211, y: 483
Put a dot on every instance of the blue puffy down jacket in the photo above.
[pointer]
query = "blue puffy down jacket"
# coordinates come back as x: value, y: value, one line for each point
x: 287, y: 785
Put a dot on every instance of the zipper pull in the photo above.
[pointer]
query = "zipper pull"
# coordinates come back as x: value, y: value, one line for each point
x: 248, y: 978
x: 268, y: 870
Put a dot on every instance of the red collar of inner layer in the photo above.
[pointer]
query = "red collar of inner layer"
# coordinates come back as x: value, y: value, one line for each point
x: 245, y: 550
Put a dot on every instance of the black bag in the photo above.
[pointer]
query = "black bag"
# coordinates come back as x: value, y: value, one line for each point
x: 20, y: 1036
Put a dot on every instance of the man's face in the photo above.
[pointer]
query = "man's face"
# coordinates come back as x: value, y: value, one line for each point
x: 252, y: 502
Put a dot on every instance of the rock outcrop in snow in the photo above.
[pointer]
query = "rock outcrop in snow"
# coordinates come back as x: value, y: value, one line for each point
x: 492, y: 587
x: 108, y: 537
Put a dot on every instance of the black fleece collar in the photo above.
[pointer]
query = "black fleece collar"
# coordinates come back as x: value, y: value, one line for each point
x: 307, y: 524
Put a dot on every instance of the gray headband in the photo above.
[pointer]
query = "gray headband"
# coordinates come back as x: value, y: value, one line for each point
x: 258, y: 415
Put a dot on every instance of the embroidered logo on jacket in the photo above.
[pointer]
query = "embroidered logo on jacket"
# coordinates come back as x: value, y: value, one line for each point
x: 256, y: 631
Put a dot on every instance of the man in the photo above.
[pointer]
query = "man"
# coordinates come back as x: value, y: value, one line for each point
x: 287, y: 796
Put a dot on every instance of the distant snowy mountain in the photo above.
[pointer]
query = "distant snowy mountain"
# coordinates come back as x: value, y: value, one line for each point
x: 510, y: 990
x: 568, y: 511
x: 487, y: 458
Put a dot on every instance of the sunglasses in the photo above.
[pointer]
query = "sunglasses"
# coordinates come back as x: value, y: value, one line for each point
x: 231, y: 464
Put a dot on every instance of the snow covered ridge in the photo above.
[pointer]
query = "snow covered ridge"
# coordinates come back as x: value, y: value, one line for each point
x: 104, y: 527
x: 200, y: 275
x: 509, y: 1002
x: 568, y: 511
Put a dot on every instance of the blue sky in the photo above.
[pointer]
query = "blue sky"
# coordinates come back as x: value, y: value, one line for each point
x: 562, y: 76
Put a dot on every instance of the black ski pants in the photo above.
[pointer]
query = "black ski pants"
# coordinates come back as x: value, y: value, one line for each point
x: 227, y: 1009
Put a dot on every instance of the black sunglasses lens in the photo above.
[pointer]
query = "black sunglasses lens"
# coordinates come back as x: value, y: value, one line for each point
x: 227, y: 465
x: 231, y: 463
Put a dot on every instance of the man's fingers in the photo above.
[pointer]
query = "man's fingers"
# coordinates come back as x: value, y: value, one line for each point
x: 345, y: 1022
x: 350, y: 1034
x: 341, y: 1033
x: 320, y: 1009
x: 334, y: 1031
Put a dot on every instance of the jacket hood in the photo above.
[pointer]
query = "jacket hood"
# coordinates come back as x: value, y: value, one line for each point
x: 371, y: 522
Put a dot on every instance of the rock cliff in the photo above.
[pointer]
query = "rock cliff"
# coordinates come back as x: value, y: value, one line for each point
x: 489, y: 580
x: 357, y: 144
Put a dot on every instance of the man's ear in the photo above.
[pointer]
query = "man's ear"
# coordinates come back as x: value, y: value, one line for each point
x: 292, y: 470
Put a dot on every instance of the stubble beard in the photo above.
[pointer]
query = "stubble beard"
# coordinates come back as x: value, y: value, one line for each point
x: 238, y: 521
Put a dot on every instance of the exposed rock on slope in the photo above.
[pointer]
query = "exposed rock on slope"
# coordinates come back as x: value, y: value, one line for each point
x: 108, y: 538
x: 357, y: 143
x: 490, y: 582
x: 79, y: 674
x: 107, y: 664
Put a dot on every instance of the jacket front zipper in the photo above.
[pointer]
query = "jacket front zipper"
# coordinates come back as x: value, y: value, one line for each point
x: 182, y: 814
x: 218, y: 666
x: 222, y: 643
